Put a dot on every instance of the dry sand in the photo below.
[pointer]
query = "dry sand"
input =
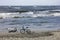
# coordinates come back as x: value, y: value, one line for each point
x: 32, y: 36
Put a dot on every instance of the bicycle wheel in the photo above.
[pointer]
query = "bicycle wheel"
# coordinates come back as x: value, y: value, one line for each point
x: 28, y: 31
x: 22, y: 31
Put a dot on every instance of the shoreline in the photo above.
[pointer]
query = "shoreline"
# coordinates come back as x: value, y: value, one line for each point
x: 49, y: 35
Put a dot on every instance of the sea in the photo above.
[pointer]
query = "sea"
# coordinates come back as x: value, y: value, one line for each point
x: 35, y: 20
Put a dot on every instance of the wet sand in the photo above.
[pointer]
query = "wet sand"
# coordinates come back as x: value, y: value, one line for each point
x: 54, y: 35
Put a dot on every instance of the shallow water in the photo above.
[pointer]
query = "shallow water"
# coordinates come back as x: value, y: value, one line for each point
x: 41, y: 23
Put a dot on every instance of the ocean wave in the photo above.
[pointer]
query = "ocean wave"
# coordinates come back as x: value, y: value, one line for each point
x: 8, y: 15
x: 27, y: 14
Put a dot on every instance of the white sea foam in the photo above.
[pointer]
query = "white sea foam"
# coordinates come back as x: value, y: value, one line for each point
x: 55, y: 14
x: 7, y: 15
x: 28, y: 14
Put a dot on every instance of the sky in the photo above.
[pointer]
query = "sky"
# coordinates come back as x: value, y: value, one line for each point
x: 29, y: 2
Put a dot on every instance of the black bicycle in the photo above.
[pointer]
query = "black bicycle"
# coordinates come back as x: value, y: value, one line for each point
x: 25, y: 30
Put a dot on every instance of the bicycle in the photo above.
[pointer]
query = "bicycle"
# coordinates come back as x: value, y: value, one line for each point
x: 25, y: 30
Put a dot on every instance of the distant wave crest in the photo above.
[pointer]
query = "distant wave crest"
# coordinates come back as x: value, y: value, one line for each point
x: 28, y: 14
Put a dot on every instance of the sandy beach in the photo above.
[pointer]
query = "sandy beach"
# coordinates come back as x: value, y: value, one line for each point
x: 33, y: 36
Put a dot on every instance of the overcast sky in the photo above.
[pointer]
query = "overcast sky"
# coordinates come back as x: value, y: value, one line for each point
x: 29, y: 2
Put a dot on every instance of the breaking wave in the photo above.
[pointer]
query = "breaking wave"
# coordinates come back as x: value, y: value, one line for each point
x: 29, y: 14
